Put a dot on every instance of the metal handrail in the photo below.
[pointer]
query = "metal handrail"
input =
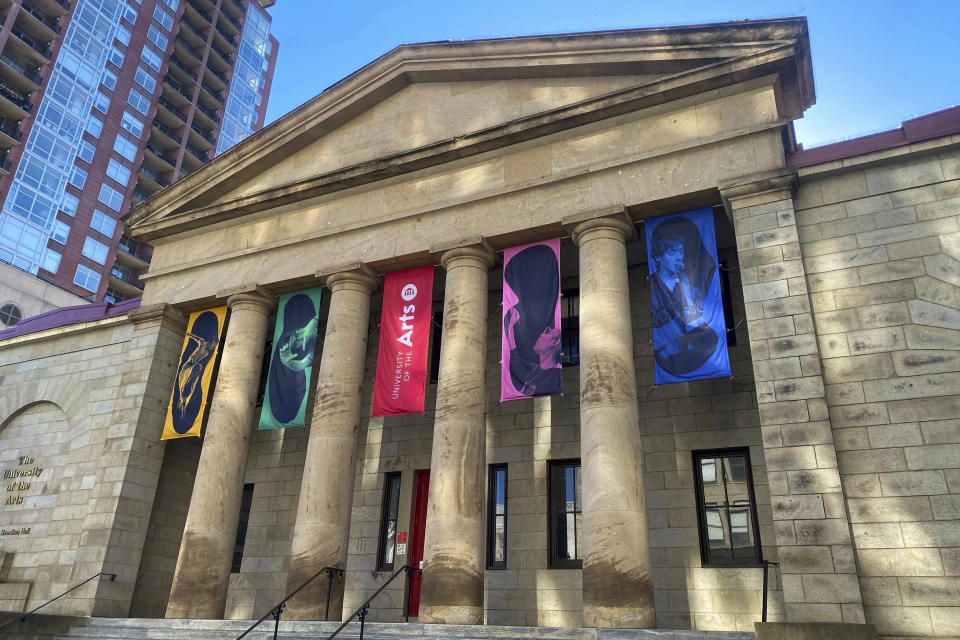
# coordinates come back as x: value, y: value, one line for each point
x: 277, y: 610
x: 24, y: 37
x: 361, y: 612
x: 24, y: 616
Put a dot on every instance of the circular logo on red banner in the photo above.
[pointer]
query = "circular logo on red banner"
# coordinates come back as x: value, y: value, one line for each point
x: 409, y: 292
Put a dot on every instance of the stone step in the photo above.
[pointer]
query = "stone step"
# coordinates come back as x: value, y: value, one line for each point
x: 162, y: 629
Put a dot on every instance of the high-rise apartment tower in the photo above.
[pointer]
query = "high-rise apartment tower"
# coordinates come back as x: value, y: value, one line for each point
x: 102, y: 104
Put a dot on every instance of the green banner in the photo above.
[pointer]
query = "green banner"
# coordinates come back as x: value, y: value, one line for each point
x: 291, y: 360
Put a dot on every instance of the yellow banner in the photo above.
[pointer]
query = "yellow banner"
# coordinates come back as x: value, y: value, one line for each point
x: 192, y: 384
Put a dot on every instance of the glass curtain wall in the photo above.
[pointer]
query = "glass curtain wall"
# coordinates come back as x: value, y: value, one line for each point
x: 249, y: 78
x: 38, y: 190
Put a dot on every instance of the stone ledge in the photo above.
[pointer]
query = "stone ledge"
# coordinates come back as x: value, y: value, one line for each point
x: 814, y: 631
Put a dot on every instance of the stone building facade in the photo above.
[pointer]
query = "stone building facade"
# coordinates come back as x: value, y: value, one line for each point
x: 842, y: 267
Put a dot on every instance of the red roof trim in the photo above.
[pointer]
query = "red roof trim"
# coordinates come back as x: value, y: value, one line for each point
x: 927, y: 127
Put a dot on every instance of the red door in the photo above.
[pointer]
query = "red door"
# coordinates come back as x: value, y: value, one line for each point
x: 421, y: 488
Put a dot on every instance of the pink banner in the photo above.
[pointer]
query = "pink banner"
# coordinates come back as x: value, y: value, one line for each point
x: 404, y: 335
x: 530, y: 348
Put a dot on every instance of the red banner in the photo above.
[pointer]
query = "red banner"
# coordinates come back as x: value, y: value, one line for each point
x: 404, y: 335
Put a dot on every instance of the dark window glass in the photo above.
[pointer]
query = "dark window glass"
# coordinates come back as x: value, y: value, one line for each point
x: 388, y: 522
x: 727, y: 305
x: 497, y: 518
x: 10, y: 314
x: 265, y: 369
x: 570, y: 327
x: 726, y: 508
x: 566, y: 522
x: 435, y: 346
x: 245, y: 500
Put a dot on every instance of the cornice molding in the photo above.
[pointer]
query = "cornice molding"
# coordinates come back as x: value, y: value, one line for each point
x: 744, y: 50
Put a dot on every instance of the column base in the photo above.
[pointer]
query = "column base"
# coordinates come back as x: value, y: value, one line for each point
x: 814, y: 631
x: 453, y: 614
x: 620, y: 617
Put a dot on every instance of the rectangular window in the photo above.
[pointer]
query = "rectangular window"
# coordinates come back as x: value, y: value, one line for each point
x: 497, y: 517
x: 86, y: 151
x: 566, y: 523
x: 388, y: 522
x: 60, y: 231
x: 570, y: 327
x: 94, y: 126
x: 246, y: 499
x: 151, y: 58
x: 110, y: 197
x: 78, y: 177
x: 116, y: 57
x: 138, y: 101
x: 51, y: 260
x: 728, y: 318
x: 726, y: 508
x: 130, y: 14
x: 435, y: 347
x: 157, y: 38
x: 125, y: 148
x: 68, y: 204
x: 86, y: 278
x: 123, y: 35
x: 96, y: 251
x: 172, y: 4
x: 132, y: 124
x: 118, y: 172
x: 103, y: 223
x: 164, y: 18
x: 101, y: 102
x: 145, y: 80
x: 109, y: 79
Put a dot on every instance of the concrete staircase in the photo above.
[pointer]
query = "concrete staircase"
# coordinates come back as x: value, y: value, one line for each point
x: 159, y: 629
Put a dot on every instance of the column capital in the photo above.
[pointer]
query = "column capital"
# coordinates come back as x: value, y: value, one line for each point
x: 249, y: 297
x: 758, y: 188
x: 160, y: 314
x: 475, y: 252
x: 356, y: 277
x: 613, y: 223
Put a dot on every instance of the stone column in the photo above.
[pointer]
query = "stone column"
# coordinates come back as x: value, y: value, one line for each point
x: 820, y: 582
x: 322, y: 530
x: 617, y: 585
x: 202, y: 576
x: 453, y: 565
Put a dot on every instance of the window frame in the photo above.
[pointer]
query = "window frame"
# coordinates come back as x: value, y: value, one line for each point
x: 86, y: 273
x: 705, y: 557
x: 569, y: 334
x: 492, y: 471
x: 246, y: 501
x: 554, y: 561
x: 383, y: 532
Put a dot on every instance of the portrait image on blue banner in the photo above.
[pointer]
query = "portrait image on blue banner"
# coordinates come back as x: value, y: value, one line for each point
x: 689, y: 331
x: 291, y: 360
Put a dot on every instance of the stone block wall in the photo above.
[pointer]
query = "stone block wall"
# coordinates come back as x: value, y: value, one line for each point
x: 881, y: 245
x: 167, y: 519
x: 59, y: 392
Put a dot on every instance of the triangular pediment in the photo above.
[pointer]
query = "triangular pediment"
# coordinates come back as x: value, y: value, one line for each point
x: 425, y: 104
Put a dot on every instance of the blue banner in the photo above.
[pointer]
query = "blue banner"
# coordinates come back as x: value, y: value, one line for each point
x: 291, y: 362
x: 689, y: 332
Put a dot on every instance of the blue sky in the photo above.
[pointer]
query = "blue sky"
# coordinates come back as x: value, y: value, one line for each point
x: 875, y: 63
